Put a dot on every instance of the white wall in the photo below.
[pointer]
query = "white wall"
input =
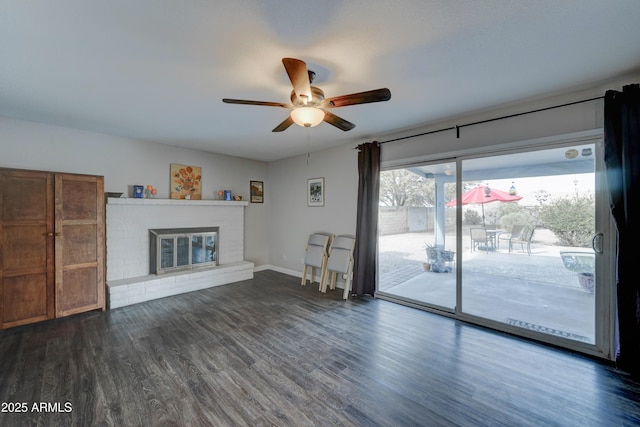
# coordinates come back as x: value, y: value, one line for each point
x: 124, y: 162
x: 576, y: 118
x: 565, y: 120
x: 292, y: 220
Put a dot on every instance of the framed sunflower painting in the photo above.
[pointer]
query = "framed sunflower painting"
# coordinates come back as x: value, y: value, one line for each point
x: 186, y: 182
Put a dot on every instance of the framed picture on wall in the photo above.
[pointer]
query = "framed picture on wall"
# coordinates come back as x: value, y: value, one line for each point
x: 315, y: 192
x: 256, y: 191
x: 186, y: 182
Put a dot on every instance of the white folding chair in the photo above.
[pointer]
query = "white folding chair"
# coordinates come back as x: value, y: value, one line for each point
x: 316, y: 256
x: 340, y: 262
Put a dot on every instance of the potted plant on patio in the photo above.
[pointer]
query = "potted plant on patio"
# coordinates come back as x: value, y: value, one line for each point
x: 437, y: 258
x: 582, y: 263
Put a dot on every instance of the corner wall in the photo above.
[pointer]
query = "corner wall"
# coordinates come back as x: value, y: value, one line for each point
x: 292, y: 220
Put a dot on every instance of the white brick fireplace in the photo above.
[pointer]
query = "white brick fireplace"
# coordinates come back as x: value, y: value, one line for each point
x: 128, y: 225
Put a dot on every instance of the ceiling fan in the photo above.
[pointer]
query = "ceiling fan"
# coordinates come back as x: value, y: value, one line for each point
x: 308, y: 104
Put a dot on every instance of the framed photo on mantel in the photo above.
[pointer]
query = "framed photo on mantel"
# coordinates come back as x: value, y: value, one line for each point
x: 256, y: 191
x: 315, y: 192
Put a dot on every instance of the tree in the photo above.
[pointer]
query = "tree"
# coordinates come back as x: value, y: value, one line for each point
x: 400, y: 187
x: 572, y: 219
x: 542, y: 196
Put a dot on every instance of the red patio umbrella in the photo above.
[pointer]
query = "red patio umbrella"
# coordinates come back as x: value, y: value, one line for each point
x: 484, y: 194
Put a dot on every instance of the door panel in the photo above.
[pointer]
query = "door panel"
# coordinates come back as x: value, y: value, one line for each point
x: 79, y: 244
x: 25, y: 299
x: 79, y: 198
x: 77, y: 293
x: 524, y: 279
x: 24, y: 247
x: 417, y: 235
x: 25, y: 196
x: 26, y: 251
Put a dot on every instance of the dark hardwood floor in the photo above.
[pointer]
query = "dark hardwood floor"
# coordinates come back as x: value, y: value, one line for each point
x: 270, y: 352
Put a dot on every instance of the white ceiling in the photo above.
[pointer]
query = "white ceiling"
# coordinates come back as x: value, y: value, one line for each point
x: 157, y: 70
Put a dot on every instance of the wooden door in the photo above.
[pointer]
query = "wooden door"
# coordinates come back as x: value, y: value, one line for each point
x: 26, y: 247
x: 79, y: 244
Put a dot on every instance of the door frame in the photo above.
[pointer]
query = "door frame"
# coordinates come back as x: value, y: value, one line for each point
x: 605, y: 262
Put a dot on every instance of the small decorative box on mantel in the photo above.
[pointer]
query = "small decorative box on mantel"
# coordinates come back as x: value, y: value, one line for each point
x: 138, y: 192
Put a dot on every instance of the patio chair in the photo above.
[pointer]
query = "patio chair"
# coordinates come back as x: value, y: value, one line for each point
x: 515, y: 233
x: 524, y: 239
x: 340, y: 262
x: 479, y: 239
x: 317, y: 254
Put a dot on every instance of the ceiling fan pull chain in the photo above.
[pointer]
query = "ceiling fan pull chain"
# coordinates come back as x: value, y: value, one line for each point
x: 308, y: 145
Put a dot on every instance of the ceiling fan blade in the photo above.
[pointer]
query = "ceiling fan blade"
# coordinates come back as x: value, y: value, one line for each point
x: 299, y: 77
x: 338, y: 122
x: 376, y: 95
x: 262, y: 103
x: 284, y: 125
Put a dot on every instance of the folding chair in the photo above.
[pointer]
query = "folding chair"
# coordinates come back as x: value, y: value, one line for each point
x: 340, y: 262
x: 316, y: 256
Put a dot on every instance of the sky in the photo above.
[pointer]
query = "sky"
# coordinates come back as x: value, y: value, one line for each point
x: 557, y: 186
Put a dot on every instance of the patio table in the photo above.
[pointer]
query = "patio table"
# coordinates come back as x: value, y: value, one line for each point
x: 492, y: 236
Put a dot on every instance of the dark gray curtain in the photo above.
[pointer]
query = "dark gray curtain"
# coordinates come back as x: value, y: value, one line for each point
x: 622, y: 162
x: 364, y: 269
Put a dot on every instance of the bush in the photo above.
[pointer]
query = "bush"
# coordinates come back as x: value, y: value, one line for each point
x: 512, y: 213
x: 472, y: 217
x: 572, y: 219
x: 516, y: 218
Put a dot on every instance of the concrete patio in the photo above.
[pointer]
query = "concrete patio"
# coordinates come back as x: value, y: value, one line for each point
x: 531, y: 291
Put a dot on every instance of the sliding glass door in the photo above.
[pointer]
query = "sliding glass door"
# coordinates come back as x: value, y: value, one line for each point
x: 528, y: 259
x: 512, y: 240
x: 417, y: 241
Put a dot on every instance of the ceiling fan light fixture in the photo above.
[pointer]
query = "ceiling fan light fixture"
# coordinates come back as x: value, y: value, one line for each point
x: 308, y: 103
x: 307, y: 116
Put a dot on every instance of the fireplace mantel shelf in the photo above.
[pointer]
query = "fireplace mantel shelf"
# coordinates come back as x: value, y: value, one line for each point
x: 176, y: 202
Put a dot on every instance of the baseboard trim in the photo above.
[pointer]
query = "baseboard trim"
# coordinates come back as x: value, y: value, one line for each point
x: 294, y: 273
x: 290, y: 272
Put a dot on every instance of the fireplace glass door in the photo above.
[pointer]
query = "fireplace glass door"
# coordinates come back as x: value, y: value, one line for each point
x: 167, y: 254
x: 182, y: 244
x: 182, y: 249
x: 203, y: 249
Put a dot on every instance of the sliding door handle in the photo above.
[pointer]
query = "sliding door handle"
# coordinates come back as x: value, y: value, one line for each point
x: 596, y: 243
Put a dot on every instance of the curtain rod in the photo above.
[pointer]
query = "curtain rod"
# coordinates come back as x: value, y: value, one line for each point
x: 458, y: 127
